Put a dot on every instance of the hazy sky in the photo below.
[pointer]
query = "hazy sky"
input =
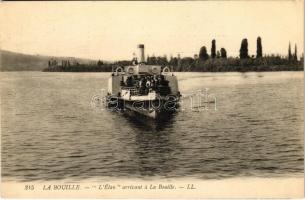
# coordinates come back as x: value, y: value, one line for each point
x: 111, y: 30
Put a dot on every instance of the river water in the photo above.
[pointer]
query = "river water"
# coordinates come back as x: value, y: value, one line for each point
x: 51, y: 130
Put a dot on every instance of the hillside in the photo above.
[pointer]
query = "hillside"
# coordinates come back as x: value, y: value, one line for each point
x: 12, y: 61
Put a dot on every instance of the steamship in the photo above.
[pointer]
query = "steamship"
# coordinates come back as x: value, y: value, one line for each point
x: 146, y: 90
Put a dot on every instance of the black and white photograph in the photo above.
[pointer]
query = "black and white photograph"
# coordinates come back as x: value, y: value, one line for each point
x: 152, y: 99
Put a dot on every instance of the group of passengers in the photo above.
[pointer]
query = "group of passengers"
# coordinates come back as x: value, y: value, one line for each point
x: 146, y: 83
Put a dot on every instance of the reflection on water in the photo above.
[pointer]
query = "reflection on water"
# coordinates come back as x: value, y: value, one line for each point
x: 149, y: 124
x: 153, y: 152
x: 154, y: 148
x: 50, y: 131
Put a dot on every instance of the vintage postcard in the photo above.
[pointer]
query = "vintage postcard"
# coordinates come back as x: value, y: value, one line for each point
x: 152, y: 99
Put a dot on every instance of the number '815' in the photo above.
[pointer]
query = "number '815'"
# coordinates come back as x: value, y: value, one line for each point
x: 29, y: 187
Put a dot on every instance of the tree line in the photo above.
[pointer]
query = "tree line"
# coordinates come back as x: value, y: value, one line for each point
x: 216, y: 61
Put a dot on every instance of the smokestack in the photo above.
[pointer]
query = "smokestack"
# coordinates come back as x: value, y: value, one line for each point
x: 141, y: 53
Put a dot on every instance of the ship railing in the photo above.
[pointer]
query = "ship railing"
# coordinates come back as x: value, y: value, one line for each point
x: 133, y: 90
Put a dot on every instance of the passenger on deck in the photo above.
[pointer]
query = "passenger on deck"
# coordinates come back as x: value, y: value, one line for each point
x: 141, y: 86
x: 148, y: 83
x: 163, y: 81
x: 129, y: 81
x: 122, y: 83
x: 152, y: 85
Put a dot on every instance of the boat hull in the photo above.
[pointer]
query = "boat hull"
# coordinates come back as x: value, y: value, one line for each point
x: 155, y: 109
